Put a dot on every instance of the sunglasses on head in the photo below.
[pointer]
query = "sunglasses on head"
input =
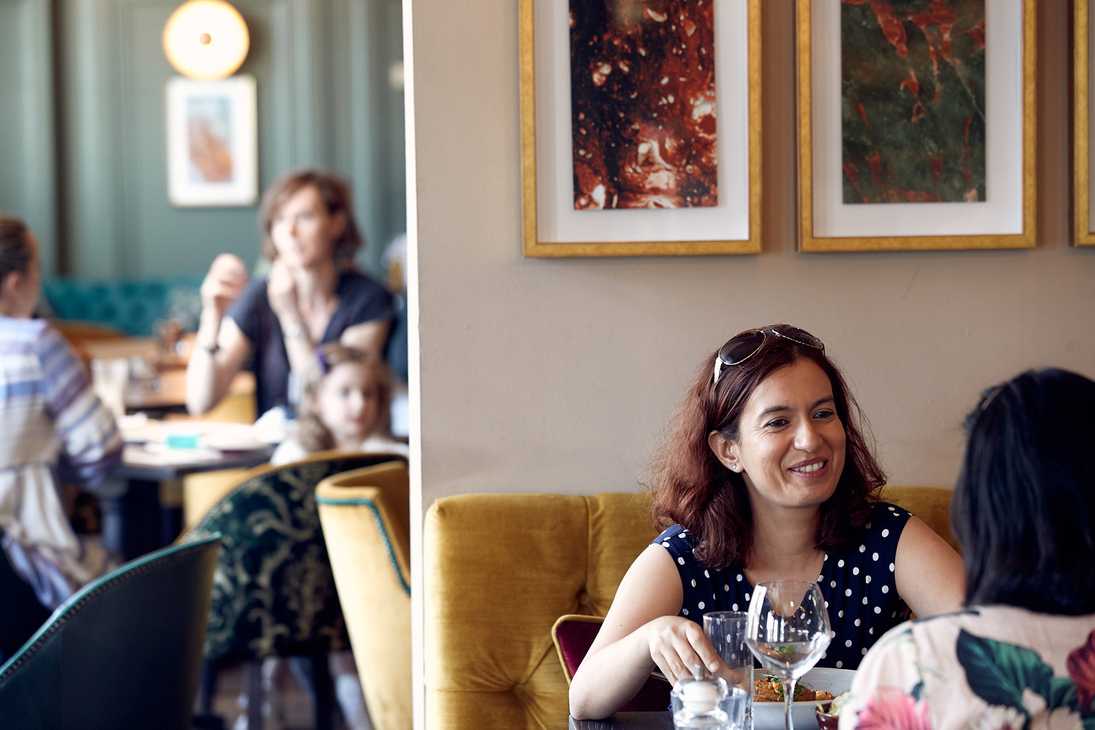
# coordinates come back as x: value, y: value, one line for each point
x: 743, y: 346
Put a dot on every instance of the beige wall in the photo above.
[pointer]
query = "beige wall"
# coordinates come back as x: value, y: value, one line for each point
x: 561, y: 375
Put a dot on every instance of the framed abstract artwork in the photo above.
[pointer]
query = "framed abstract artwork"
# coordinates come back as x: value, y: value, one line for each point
x: 212, y: 145
x: 640, y: 127
x: 1083, y: 213
x: 916, y: 125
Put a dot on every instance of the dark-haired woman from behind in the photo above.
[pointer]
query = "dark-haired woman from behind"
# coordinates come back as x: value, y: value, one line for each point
x: 766, y: 477
x: 1022, y: 652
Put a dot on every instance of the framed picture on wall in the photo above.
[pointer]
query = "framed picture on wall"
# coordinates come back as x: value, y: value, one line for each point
x: 640, y: 127
x: 1083, y: 213
x: 916, y: 125
x: 212, y: 146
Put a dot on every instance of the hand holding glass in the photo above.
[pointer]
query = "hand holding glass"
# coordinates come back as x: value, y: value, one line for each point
x: 788, y: 631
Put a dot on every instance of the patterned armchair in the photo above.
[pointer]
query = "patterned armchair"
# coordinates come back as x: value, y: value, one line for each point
x: 273, y: 591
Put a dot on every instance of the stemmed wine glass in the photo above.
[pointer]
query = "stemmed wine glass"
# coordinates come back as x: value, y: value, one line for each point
x: 788, y: 631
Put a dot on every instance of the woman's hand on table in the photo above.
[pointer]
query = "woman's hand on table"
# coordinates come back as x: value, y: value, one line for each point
x: 223, y: 284
x: 678, y: 646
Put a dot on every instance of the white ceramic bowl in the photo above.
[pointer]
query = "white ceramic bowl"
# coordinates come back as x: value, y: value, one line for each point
x: 769, y: 715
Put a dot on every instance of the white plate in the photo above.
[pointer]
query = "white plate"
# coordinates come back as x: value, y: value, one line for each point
x: 769, y: 715
x: 231, y: 437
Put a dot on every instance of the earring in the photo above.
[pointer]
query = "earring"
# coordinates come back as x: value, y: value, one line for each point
x: 735, y: 468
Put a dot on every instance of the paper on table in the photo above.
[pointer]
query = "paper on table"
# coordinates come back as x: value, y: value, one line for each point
x: 157, y: 455
x: 188, y: 435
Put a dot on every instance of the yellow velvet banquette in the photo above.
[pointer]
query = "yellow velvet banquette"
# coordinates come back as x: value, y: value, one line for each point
x: 500, y: 568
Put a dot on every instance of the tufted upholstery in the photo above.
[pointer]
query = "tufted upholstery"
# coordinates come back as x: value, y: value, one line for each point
x: 501, y: 568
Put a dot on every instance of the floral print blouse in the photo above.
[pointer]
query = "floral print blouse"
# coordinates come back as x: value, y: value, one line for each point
x: 990, y: 667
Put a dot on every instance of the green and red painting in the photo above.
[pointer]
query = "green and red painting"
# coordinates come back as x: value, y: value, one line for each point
x: 913, y: 106
x: 643, y: 104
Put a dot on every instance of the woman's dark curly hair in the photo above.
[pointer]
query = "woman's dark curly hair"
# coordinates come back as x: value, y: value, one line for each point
x: 692, y: 488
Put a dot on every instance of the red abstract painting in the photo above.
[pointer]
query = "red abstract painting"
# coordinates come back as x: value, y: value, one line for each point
x: 643, y: 104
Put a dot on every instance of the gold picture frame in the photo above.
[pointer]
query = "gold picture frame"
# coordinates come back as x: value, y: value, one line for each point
x: 629, y: 234
x: 1082, y: 218
x: 836, y: 226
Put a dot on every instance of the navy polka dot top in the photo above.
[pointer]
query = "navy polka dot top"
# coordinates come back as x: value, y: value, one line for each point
x: 857, y: 582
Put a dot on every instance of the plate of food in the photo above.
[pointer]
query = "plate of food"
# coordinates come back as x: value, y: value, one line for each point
x: 820, y: 684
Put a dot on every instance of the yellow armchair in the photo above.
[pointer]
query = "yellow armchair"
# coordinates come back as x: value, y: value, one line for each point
x: 501, y: 568
x: 365, y: 518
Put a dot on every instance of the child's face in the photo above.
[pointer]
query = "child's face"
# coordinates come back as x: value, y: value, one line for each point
x: 348, y: 403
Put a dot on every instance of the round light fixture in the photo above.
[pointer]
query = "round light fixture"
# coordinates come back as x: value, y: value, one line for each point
x: 206, y: 39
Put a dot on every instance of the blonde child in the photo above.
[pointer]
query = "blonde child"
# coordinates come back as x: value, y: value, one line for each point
x: 347, y: 408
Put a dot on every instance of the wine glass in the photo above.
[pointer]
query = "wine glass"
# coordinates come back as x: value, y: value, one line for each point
x: 788, y: 631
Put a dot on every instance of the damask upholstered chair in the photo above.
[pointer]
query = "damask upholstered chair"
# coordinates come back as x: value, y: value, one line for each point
x: 273, y: 591
x: 123, y: 652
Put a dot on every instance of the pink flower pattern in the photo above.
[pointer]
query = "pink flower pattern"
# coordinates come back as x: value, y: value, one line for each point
x: 893, y: 711
x: 1081, y: 668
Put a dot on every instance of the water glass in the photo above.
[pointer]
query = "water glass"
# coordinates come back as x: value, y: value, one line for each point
x: 109, y: 378
x: 726, y: 631
x: 707, y: 704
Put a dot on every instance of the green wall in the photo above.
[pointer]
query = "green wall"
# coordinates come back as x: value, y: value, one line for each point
x: 84, y: 155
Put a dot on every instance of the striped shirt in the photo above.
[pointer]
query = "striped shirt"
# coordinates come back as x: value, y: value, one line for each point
x: 53, y: 429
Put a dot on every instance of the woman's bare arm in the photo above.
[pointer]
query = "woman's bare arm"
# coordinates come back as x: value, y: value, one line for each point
x: 211, y: 368
x: 367, y: 336
x: 641, y: 631
x: 928, y: 572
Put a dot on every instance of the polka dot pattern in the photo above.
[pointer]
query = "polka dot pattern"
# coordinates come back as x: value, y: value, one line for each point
x: 857, y: 583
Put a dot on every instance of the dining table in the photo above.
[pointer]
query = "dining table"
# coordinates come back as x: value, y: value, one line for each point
x: 156, y: 456
x: 627, y: 721
x: 145, y: 385
x: 151, y: 380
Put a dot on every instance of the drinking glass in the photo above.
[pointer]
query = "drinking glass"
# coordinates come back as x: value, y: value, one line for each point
x: 726, y: 631
x: 109, y: 378
x: 788, y: 631
x: 707, y: 703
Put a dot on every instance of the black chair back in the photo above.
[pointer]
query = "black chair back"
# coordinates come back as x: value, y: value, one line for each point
x: 123, y: 652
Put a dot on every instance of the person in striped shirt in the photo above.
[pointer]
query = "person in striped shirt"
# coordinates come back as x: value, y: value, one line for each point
x: 53, y: 430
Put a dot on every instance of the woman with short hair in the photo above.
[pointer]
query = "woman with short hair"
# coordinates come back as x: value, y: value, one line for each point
x: 312, y: 296
x: 766, y: 477
x: 1022, y: 651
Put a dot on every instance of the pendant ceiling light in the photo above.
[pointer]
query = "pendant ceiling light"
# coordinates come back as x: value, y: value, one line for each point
x: 206, y: 39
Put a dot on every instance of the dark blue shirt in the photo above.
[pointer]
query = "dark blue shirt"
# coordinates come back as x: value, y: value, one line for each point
x: 857, y: 582
x: 360, y: 299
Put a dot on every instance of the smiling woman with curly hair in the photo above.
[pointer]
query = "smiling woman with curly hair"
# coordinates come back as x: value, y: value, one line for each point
x: 767, y: 476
